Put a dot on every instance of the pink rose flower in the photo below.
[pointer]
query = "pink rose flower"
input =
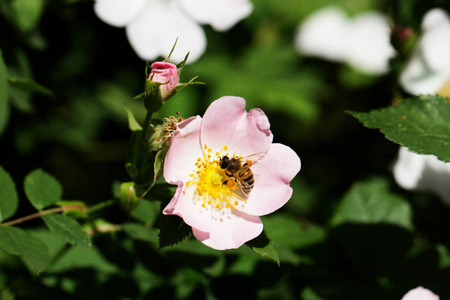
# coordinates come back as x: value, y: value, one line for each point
x: 209, y: 200
x: 420, y: 293
x: 166, y: 74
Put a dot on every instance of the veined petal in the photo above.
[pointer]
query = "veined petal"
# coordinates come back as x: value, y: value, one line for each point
x: 221, y: 15
x: 154, y: 33
x: 272, y: 177
x: 182, y: 204
x: 428, y: 68
x: 231, y: 232
x: 227, y: 123
x: 119, y: 13
x: 420, y: 293
x: 184, y: 150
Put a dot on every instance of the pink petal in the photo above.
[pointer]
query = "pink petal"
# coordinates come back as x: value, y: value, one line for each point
x: 154, y: 33
x: 420, y: 293
x: 231, y: 232
x: 183, y: 152
x: 221, y: 15
x: 180, y: 161
x: 183, y: 205
x: 118, y: 13
x: 272, y: 177
x: 226, y: 123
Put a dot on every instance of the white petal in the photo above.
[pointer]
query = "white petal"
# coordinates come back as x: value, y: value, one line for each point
x: 423, y: 172
x: 323, y: 34
x: 221, y: 15
x: 420, y: 293
x: 155, y: 32
x: 408, y: 169
x: 429, y: 66
x: 437, y: 177
x: 369, y: 43
x: 119, y: 13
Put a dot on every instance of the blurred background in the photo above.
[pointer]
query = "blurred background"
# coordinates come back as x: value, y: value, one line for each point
x: 80, y: 136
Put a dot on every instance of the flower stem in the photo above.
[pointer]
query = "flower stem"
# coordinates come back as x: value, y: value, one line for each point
x: 101, y: 205
x: 42, y: 213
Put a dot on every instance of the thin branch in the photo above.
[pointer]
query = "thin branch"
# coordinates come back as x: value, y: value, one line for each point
x: 42, y: 213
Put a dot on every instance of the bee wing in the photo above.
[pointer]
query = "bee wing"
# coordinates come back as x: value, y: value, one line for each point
x: 244, y: 187
x: 254, y: 158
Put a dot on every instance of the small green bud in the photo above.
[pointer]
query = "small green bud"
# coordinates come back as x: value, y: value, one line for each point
x: 128, y: 198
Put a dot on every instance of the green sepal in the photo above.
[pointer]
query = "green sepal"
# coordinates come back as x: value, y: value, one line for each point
x: 181, y: 86
x: 30, y: 85
x: 128, y: 198
x: 159, y: 163
x: 155, y: 132
x: 133, y: 124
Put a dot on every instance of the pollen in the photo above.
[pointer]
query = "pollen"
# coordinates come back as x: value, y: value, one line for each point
x: 214, y: 189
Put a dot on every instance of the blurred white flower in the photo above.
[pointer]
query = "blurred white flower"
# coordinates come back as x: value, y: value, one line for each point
x: 428, y: 69
x: 423, y: 172
x: 420, y: 293
x: 152, y: 26
x: 362, y: 42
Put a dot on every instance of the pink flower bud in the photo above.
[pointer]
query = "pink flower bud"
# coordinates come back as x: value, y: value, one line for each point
x: 166, y: 74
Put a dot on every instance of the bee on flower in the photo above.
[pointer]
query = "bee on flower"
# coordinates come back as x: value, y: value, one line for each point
x: 228, y: 173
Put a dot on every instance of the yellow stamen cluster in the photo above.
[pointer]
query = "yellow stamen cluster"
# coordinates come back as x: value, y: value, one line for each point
x: 209, y: 179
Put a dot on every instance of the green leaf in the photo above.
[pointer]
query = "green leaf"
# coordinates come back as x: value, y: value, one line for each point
x: 4, y: 109
x: 9, y: 199
x: 30, y: 86
x: 419, y: 123
x: 42, y: 189
x: 172, y: 230
x: 67, y: 229
x: 371, y: 202
x: 264, y: 247
x: 16, y: 241
x: 141, y: 232
x: 290, y: 232
x: 27, y: 13
x: 147, y: 212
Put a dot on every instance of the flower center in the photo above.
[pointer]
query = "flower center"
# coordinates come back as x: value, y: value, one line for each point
x: 214, y: 188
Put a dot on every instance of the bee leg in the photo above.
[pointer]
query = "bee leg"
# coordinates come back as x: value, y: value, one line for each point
x: 229, y: 182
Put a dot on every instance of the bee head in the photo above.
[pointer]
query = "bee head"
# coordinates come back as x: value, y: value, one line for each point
x: 224, y: 162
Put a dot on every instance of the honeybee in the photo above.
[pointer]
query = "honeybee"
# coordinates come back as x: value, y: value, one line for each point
x: 239, y: 170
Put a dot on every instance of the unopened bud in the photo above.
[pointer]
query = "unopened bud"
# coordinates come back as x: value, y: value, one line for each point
x: 166, y: 76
